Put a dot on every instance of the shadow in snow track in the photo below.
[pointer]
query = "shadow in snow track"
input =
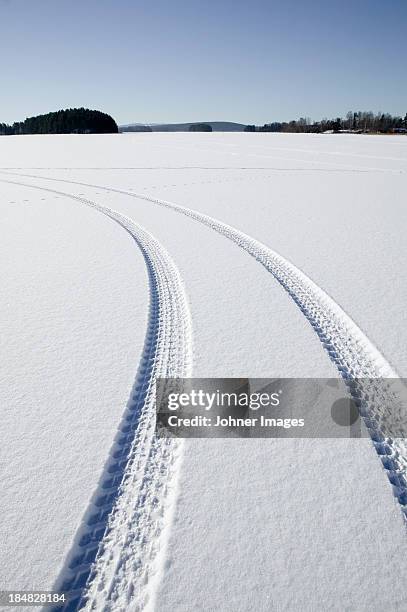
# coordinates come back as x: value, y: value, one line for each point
x: 136, y: 480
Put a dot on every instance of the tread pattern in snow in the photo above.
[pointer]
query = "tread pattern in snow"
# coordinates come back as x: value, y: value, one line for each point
x: 115, y: 556
x: 356, y: 358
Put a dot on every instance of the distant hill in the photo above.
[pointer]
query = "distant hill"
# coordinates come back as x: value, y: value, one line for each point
x: 217, y: 126
x: 68, y: 121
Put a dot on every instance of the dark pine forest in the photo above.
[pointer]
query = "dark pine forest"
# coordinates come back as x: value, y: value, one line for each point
x: 69, y: 121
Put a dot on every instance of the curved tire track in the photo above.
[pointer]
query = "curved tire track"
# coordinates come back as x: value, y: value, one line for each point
x: 114, y: 557
x: 364, y: 369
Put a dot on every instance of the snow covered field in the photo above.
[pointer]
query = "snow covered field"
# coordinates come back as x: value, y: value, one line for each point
x: 230, y: 525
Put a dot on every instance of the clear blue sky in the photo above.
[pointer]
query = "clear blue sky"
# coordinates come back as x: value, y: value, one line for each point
x: 179, y: 60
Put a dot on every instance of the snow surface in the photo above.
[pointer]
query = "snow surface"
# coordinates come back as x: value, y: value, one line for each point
x: 258, y: 524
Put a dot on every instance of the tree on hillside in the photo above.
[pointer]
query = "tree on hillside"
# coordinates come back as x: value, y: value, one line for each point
x: 276, y: 126
x: 5, y: 129
x: 69, y: 121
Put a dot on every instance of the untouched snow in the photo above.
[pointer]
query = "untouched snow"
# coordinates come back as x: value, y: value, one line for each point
x: 259, y: 524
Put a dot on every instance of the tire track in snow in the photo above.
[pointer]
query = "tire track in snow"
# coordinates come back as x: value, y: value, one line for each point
x: 332, y: 168
x: 371, y: 381
x: 114, y: 559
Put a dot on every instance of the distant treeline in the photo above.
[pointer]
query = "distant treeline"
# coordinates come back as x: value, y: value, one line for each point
x: 200, y: 127
x: 193, y: 127
x: 354, y: 122
x: 136, y: 128
x: 70, y: 121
